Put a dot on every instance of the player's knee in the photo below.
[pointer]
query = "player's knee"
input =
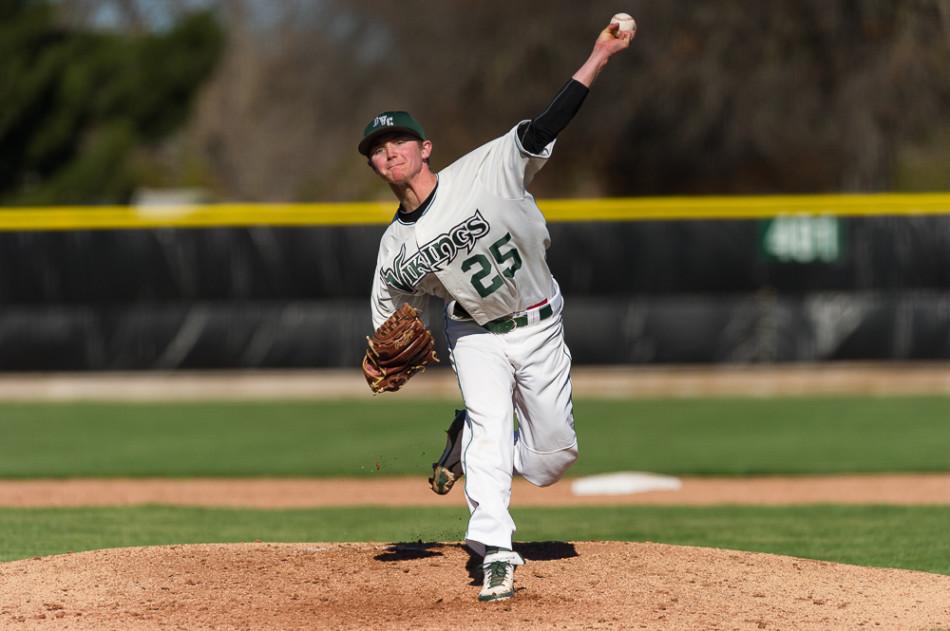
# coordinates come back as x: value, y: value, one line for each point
x: 550, y: 467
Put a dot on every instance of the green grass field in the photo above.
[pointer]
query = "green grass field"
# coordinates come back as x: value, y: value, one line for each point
x: 884, y: 536
x: 394, y: 437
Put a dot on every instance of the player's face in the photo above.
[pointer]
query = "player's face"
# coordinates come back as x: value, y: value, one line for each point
x: 397, y: 158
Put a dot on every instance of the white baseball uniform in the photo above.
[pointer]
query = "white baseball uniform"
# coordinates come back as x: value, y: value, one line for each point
x: 479, y: 243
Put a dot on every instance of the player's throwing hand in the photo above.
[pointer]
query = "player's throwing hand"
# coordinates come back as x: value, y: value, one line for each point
x: 614, y: 38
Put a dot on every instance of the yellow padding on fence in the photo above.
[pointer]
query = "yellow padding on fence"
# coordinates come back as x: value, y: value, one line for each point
x: 370, y: 213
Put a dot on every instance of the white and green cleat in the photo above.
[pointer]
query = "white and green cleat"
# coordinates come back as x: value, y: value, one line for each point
x: 499, y: 570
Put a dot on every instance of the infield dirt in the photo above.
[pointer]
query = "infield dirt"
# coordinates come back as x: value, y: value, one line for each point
x: 903, y: 489
x: 434, y: 586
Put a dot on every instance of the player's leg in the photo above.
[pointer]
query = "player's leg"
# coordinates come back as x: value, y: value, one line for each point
x: 485, y: 378
x: 545, y: 444
x: 447, y: 470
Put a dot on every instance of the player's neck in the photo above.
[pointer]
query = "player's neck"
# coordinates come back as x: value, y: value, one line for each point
x: 412, y: 193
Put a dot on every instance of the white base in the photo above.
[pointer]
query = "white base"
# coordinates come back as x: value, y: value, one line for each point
x: 624, y: 483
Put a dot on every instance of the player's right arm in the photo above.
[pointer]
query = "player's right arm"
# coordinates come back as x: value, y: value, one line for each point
x: 545, y: 127
x: 609, y: 42
x: 517, y: 161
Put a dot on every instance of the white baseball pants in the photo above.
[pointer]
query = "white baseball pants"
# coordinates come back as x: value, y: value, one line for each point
x: 526, y: 370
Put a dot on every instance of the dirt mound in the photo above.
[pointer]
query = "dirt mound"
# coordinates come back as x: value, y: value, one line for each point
x: 434, y: 586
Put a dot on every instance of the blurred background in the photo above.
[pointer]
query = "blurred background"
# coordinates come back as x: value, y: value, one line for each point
x: 143, y: 102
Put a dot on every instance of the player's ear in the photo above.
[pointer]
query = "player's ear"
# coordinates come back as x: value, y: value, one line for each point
x: 426, y: 147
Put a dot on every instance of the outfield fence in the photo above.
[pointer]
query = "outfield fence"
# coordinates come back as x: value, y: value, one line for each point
x: 757, y: 279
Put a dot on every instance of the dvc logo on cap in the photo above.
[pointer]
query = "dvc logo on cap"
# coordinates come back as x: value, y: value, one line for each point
x: 387, y: 122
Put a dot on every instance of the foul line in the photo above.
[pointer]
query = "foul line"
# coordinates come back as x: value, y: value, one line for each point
x: 555, y: 210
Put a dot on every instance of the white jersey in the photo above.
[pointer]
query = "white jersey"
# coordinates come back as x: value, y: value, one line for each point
x: 481, y: 240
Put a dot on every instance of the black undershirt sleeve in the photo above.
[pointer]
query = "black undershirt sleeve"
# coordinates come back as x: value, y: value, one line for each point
x: 536, y: 134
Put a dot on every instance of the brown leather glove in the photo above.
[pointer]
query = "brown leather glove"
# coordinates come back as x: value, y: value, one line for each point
x: 398, y: 349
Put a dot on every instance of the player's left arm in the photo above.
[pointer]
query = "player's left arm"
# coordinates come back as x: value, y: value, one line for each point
x: 385, y: 300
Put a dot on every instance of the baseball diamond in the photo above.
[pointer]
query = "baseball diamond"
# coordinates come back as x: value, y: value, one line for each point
x: 399, y: 585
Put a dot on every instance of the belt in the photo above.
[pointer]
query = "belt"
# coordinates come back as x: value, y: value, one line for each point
x: 512, y: 322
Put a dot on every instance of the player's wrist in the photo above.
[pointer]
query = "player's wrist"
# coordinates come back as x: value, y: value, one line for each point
x: 600, y: 54
x: 591, y: 68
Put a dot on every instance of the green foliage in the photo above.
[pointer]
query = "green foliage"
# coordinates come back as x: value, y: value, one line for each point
x: 403, y: 437
x: 884, y: 536
x: 78, y: 105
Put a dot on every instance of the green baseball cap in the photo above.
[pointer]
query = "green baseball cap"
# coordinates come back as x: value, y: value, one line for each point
x: 386, y: 123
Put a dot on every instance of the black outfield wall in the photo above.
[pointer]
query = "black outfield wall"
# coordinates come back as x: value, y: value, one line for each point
x: 637, y: 292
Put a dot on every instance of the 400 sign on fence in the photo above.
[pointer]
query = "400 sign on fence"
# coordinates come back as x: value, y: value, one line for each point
x: 802, y: 239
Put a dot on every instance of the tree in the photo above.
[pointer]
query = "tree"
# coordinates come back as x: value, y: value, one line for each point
x: 80, y: 107
x: 724, y: 96
x: 715, y: 96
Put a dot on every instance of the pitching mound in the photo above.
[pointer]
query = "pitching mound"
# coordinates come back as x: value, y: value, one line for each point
x: 574, y: 586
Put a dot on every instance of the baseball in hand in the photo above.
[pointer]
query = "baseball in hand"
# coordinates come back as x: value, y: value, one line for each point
x: 626, y: 22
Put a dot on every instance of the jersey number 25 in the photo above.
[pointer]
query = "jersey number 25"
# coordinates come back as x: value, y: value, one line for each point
x: 484, y: 266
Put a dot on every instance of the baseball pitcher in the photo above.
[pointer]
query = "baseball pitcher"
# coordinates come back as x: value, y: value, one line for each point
x: 472, y: 235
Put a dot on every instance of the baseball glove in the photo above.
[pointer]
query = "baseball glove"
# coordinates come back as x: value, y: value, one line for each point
x: 398, y: 349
